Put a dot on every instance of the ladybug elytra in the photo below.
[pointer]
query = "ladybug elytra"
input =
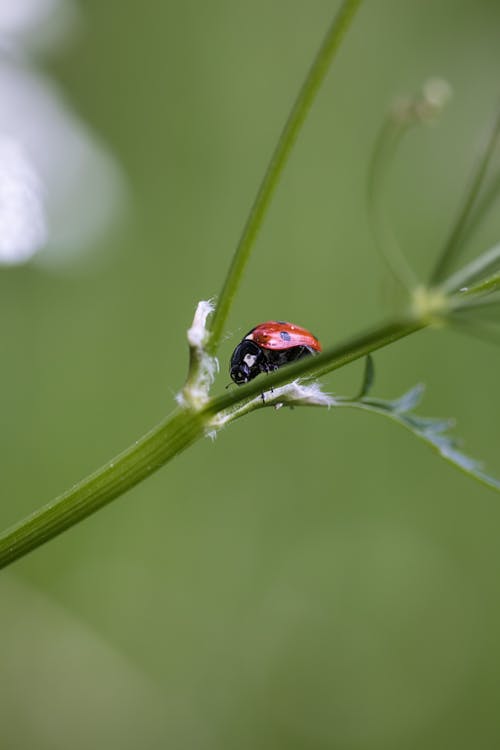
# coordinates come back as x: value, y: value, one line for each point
x: 269, y: 346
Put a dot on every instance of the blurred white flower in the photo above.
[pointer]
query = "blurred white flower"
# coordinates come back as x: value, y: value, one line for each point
x: 59, y: 189
x: 23, y: 229
x: 33, y: 25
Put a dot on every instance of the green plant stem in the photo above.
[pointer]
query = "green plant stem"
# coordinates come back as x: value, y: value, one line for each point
x: 386, y: 145
x: 136, y: 463
x: 275, y: 168
x: 171, y: 437
x: 460, y: 228
x: 482, y: 207
x: 481, y: 268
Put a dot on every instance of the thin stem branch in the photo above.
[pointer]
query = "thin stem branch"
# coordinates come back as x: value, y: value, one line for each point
x: 465, y: 215
x: 298, y: 114
x: 386, y: 243
x: 479, y: 268
x: 482, y: 207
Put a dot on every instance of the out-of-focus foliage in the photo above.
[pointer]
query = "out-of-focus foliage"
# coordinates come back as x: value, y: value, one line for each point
x: 311, y: 579
x: 433, y: 431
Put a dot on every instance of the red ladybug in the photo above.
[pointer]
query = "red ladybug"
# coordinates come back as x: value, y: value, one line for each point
x: 269, y: 346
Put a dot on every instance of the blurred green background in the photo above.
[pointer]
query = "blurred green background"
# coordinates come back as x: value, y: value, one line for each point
x: 311, y: 579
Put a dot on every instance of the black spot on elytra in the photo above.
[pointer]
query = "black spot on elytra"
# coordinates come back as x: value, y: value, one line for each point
x: 285, y: 335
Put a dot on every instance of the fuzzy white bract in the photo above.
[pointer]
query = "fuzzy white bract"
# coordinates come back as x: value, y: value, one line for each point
x: 202, y: 367
x: 296, y: 393
x: 197, y: 335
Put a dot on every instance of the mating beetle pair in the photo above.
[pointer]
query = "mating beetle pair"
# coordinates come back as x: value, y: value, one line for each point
x: 269, y: 346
